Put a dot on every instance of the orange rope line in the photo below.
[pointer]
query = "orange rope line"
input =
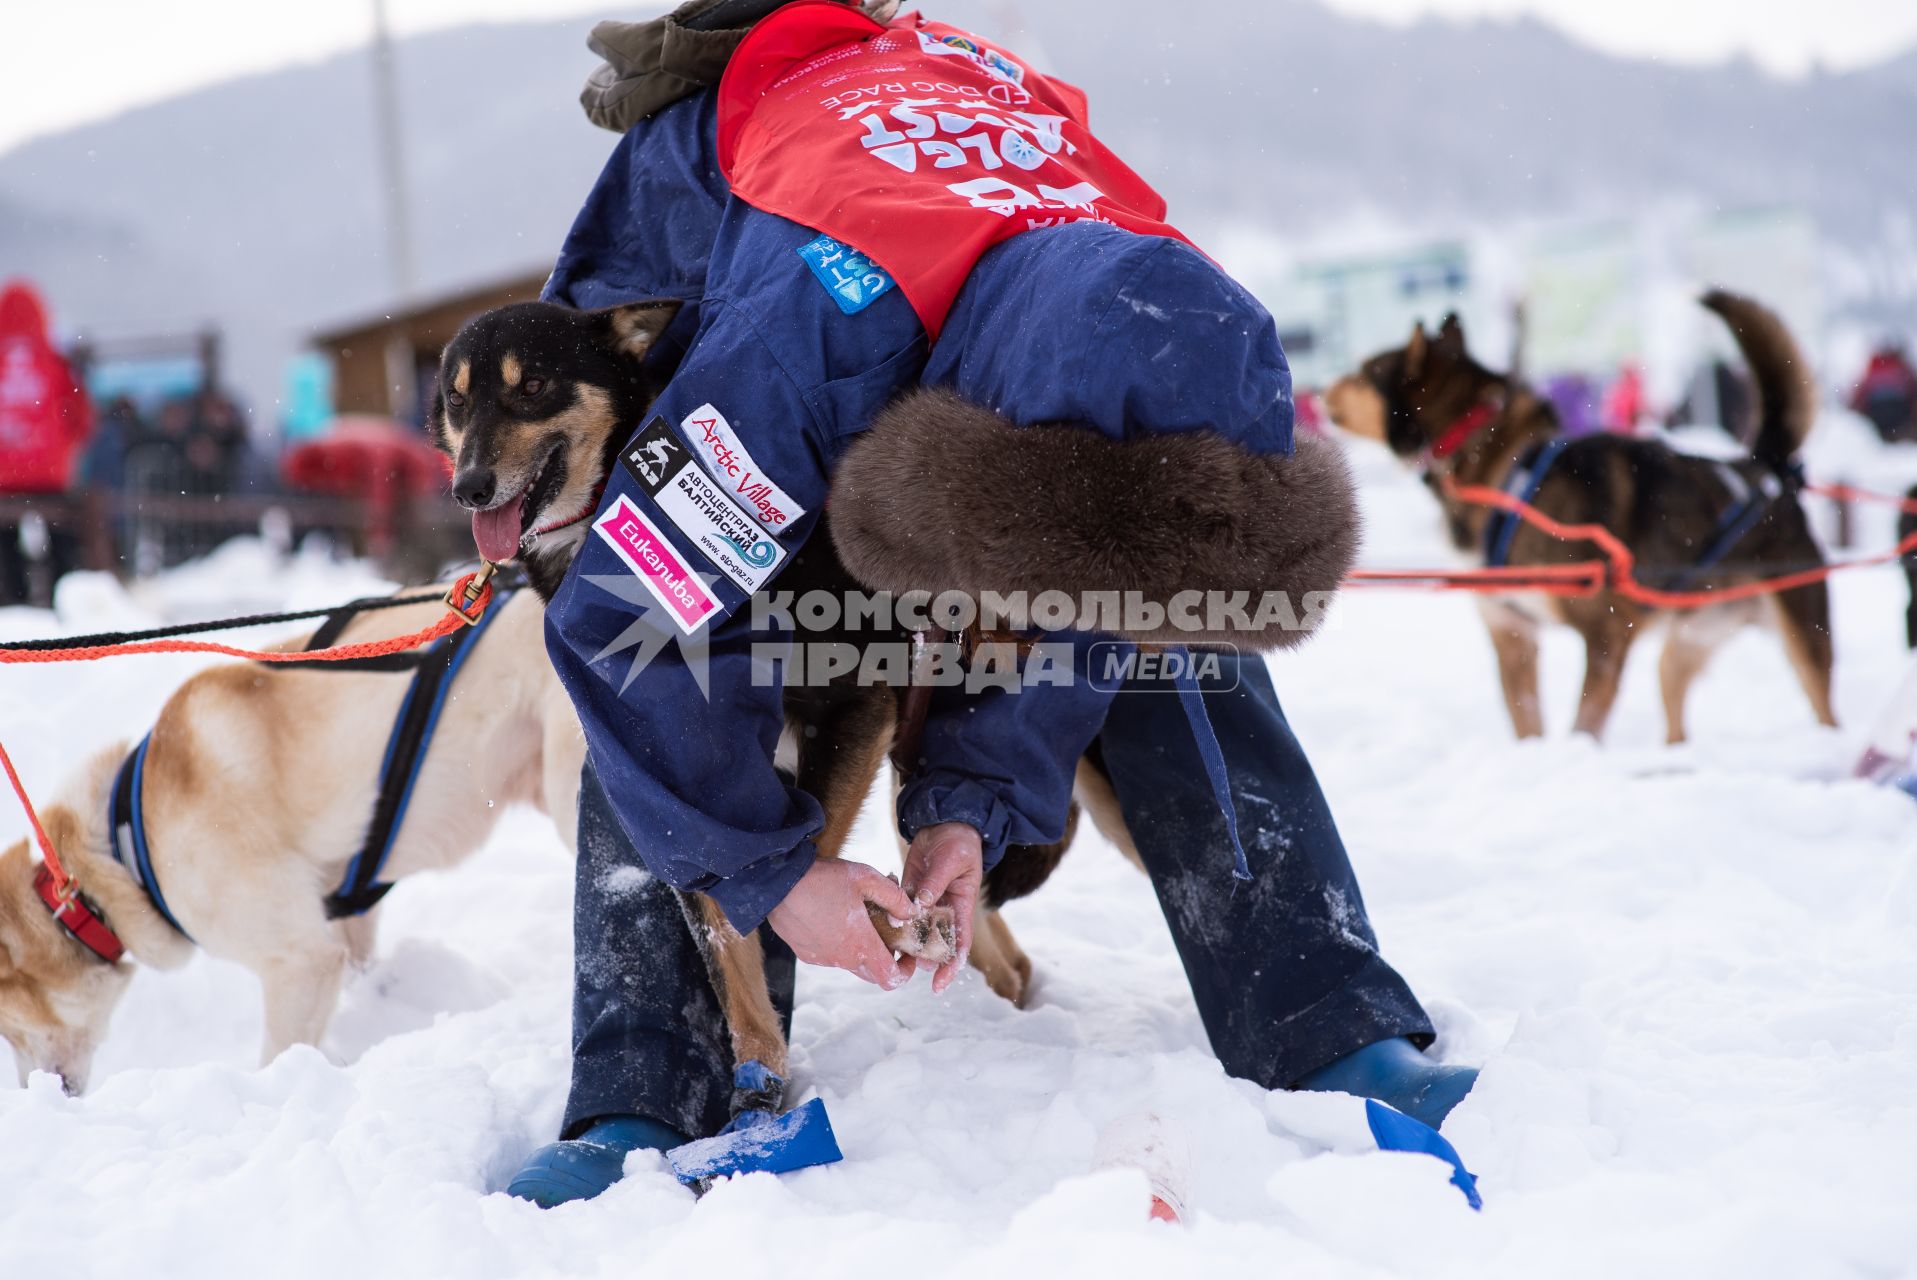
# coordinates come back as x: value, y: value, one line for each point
x: 445, y: 626
x: 1617, y: 570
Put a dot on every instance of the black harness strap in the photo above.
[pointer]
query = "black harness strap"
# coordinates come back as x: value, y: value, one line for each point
x: 361, y: 890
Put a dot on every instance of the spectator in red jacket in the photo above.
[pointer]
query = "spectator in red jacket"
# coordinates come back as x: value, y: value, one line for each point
x: 44, y: 423
x: 44, y: 415
x: 1887, y: 394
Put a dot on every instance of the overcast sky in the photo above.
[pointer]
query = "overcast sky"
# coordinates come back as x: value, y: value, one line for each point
x: 63, y: 62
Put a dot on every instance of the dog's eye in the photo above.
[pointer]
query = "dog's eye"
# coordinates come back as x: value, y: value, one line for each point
x: 533, y: 386
x: 456, y: 400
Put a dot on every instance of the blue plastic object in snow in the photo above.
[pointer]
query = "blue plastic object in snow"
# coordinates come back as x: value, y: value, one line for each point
x: 1396, y: 1131
x: 759, y: 1139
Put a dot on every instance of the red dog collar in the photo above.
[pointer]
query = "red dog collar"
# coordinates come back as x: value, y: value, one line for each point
x: 1458, y: 433
x: 591, y: 507
x: 78, y: 916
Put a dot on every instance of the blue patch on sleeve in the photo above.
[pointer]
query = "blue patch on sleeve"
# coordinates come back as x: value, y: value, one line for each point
x: 854, y: 280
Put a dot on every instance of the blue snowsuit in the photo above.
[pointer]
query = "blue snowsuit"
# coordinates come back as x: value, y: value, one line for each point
x: 1086, y: 323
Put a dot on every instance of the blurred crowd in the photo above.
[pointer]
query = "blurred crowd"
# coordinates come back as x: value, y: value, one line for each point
x: 193, y: 445
x: 71, y: 476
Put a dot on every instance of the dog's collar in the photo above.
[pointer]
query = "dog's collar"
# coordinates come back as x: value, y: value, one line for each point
x: 584, y: 513
x: 78, y: 916
x: 126, y: 831
x: 1459, y: 433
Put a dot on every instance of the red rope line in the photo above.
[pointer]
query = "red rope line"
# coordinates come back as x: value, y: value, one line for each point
x: 60, y: 877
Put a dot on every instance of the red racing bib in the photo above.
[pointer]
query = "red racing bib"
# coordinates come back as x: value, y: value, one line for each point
x: 915, y: 143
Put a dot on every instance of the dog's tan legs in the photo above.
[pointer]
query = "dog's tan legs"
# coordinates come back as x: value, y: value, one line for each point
x: 997, y: 956
x: 1682, y: 660
x: 1514, y: 637
x: 1093, y: 790
x: 1694, y: 636
x: 840, y: 756
x: 361, y: 935
x: 300, y: 993
x: 1803, y: 616
x: 1607, y: 639
x: 738, y: 973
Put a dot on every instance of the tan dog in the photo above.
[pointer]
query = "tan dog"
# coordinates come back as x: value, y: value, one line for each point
x: 258, y: 790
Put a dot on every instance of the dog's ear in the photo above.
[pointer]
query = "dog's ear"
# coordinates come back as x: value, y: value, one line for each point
x: 1415, y: 352
x: 1451, y: 336
x: 632, y: 327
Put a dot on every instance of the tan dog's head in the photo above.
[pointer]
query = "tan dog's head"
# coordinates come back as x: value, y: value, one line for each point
x: 56, y: 997
x: 1407, y: 396
x: 533, y: 403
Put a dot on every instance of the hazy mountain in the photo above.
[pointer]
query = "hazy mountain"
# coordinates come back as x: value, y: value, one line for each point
x: 255, y: 203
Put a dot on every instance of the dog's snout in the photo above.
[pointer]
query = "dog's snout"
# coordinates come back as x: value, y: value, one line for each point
x: 474, y: 487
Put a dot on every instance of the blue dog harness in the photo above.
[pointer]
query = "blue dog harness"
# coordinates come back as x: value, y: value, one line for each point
x: 360, y: 890
x: 1523, y: 483
x: 1748, y: 504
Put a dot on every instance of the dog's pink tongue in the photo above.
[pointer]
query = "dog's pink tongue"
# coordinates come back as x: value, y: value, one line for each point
x: 497, y: 531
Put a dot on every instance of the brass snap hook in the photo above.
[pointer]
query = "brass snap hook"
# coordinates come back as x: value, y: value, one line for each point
x: 463, y: 600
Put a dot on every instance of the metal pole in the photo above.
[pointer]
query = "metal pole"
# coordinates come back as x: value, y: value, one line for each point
x: 392, y: 154
x: 400, y: 391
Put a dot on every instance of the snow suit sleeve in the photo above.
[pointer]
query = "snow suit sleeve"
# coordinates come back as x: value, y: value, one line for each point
x: 651, y: 632
x: 1002, y: 759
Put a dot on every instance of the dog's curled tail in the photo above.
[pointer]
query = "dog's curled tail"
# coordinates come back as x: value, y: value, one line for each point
x: 1786, y: 393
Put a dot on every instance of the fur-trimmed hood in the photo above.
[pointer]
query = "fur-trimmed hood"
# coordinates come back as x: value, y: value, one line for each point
x: 942, y: 494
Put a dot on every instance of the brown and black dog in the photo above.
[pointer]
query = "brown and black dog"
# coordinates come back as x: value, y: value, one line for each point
x: 535, y: 402
x: 1690, y: 522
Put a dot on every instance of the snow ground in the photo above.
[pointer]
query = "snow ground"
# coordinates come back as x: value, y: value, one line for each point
x: 1689, y: 975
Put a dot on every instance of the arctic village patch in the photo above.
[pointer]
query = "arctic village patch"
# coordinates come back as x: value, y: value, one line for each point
x: 734, y: 541
x: 854, y: 280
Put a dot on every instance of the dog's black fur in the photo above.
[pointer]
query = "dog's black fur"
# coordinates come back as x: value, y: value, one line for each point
x: 555, y: 425
x: 1664, y: 505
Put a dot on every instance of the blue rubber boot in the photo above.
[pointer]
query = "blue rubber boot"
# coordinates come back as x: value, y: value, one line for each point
x: 1398, y: 1075
x: 580, y: 1168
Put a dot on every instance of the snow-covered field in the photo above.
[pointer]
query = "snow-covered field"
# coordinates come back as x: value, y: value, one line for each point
x: 1690, y: 976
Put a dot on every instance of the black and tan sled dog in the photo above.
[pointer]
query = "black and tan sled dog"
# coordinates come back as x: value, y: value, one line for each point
x: 1691, y: 523
x: 536, y: 400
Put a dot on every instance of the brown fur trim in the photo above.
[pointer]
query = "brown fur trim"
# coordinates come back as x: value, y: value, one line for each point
x: 942, y: 494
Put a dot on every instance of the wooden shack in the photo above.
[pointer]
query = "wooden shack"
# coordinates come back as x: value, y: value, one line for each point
x: 381, y: 363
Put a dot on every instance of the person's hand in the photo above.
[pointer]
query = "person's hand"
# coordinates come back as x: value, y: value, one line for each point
x: 945, y: 867
x: 824, y: 920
